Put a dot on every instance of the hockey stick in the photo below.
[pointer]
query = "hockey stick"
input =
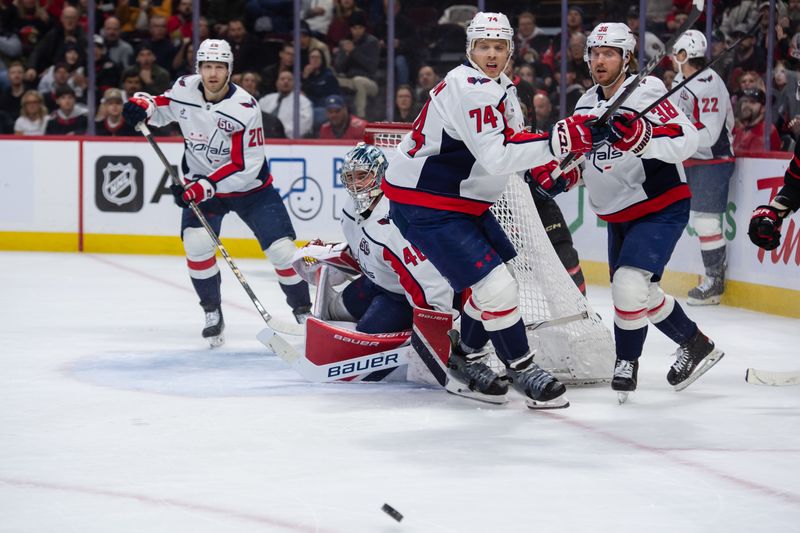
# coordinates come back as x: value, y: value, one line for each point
x: 557, y: 321
x: 273, y: 341
x: 775, y: 379
x: 693, y: 76
x: 697, y: 10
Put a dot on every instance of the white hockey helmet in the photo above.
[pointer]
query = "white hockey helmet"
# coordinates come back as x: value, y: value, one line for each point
x: 489, y: 26
x: 693, y: 42
x: 362, y: 174
x: 214, y: 50
x: 613, y: 34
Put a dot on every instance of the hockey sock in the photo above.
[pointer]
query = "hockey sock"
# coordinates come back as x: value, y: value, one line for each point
x: 296, y: 294
x: 473, y: 334
x: 510, y: 343
x: 209, y: 291
x: 677, y: 326
x: 629, y: 342
x: 714, y: 261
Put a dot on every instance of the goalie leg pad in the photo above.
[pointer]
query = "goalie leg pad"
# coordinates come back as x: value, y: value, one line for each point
x: 659, y: 304
x: 495, y: 300
x: 200, y: 253
x: 709, y: 229
x: 630, y: 292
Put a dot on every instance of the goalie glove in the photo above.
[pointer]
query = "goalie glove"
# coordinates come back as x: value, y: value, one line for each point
x: 548, y: 180
x: 310, y: 258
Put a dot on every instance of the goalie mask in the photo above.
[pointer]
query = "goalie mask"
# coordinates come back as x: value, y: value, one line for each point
x: 614, y: 35
x: 489, y: 26
x: 215, y: 50
x: 693, y: 43
x: 362, y: 173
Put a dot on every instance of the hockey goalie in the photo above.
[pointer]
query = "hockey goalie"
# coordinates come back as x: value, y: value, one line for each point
x: 399, y: 308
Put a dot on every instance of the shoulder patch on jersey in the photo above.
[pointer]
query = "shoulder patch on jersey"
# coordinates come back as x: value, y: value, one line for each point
x: 182, y: 81
x: 474, y: 80
x: 706, y: 79
x: 251, y: 104
x: 384, y: 221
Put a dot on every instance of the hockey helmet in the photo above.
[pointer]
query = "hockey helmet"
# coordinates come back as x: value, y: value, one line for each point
x: 693, y: 43
x: 489, y: 26
x: 215, y: 50
x: 362, y: 174
x: 613, y: 34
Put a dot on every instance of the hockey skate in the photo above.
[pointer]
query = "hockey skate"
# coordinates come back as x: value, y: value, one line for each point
x: 540, y: 388
x: 301, y: 313
x: 708, y: 292
x: 468, y: 375
x: 214, y: 327
x: 694, y: 359
x: 624, y: 380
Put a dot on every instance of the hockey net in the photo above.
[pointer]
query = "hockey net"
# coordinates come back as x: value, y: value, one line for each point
x: 578, y: 352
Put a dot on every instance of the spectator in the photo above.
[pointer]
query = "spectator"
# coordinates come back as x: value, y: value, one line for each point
x: 107, y: 73
x: 405, y: 106
x: 406, y: 42
x: 575, y: 17
x: 736, y: 14
x: 251, y: 82
x: 136, y: 19
x: 118, y: 50
x: 281, y: 105
x: 156, y: 79
x: 319, y: 82
x: 427, y: 79
x: 530, y: 42
x: 575, y: 50
x: 747, y: 55
x: 183, y: 63
x: 131, y: 82
x: 58, y: 74
x: 160, y: 43
x: 245, y: 47
x: 54, y: 43
x: 528, y: 73
x: 318, y: 14
x: 357, y: 61
x: 11, y: 97
x: 308, y: 43
x: 179, y: 25
x: 340, y: 24
x: 273, y: 128
x: 69, y: 118
x: 112, y: 123
x: 341, y: 125
x: 31, y: 23
x: 269, y: 75
x: 748, y: 134
x: 74, y: 63
x: 271, y: 15
x: 725, y: 63
x: 787, y: 110
x: 668, y: 77
x: 33, y: 115
x: 525, y: 91
x: 574, y: 92
x: 543, y: 110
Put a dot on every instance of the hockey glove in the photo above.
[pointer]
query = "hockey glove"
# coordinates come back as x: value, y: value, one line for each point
x: 572, y: 134
x: 546, y: 181
x: 198, y: 190
x: 765, y: 227
x: 137, y: 109
x: 629, y: 135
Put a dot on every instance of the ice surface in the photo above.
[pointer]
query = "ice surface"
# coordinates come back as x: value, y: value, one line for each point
x: 115, y: 416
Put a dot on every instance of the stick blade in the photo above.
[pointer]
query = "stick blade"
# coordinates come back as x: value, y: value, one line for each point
x: 773, y: 379
x: 278, y: 344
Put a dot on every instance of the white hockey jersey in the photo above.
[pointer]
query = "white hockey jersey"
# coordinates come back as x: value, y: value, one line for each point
x: 705, y: 100
x: 391, y: 262
x: 625, y: 187
x: 224, y: 140
x: 465, y: 143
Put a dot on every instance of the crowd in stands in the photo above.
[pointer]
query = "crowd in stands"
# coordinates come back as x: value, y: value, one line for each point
x: 144, y: 45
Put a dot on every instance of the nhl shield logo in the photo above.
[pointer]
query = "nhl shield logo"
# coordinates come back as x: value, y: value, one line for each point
x: 118, y: 183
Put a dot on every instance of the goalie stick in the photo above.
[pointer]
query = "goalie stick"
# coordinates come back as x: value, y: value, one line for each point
x: 775, y: 379
x: 276, y: 343
x: 697, y: 10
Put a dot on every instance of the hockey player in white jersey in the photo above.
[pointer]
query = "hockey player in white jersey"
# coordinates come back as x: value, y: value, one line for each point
x: 224, y: 169
x: 395, y: 277
x: 705, y: 100
x: 635, y: 181
x: 466, y: 142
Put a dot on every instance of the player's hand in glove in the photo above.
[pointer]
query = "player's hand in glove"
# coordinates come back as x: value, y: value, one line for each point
x: 629, y: 135
x: 548, y: 180
x: 765, y: 227
x: 198, y: 190
x: 574, y: 134
x: 137, y: 109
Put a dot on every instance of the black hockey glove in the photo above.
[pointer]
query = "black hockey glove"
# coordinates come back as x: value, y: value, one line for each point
x: 765, y: 227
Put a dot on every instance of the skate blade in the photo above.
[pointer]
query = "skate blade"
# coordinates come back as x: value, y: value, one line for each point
x: 711, y: 300
x: 216, y: 341
x: 556, y: 403
x: 711, y: 359
x: 622, y: 396
x: 454, y: 386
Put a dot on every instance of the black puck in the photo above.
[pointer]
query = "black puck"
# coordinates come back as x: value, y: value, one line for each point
x: 391, y: 511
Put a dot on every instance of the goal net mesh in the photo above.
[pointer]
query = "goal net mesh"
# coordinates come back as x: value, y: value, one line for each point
x: 578, y: 352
